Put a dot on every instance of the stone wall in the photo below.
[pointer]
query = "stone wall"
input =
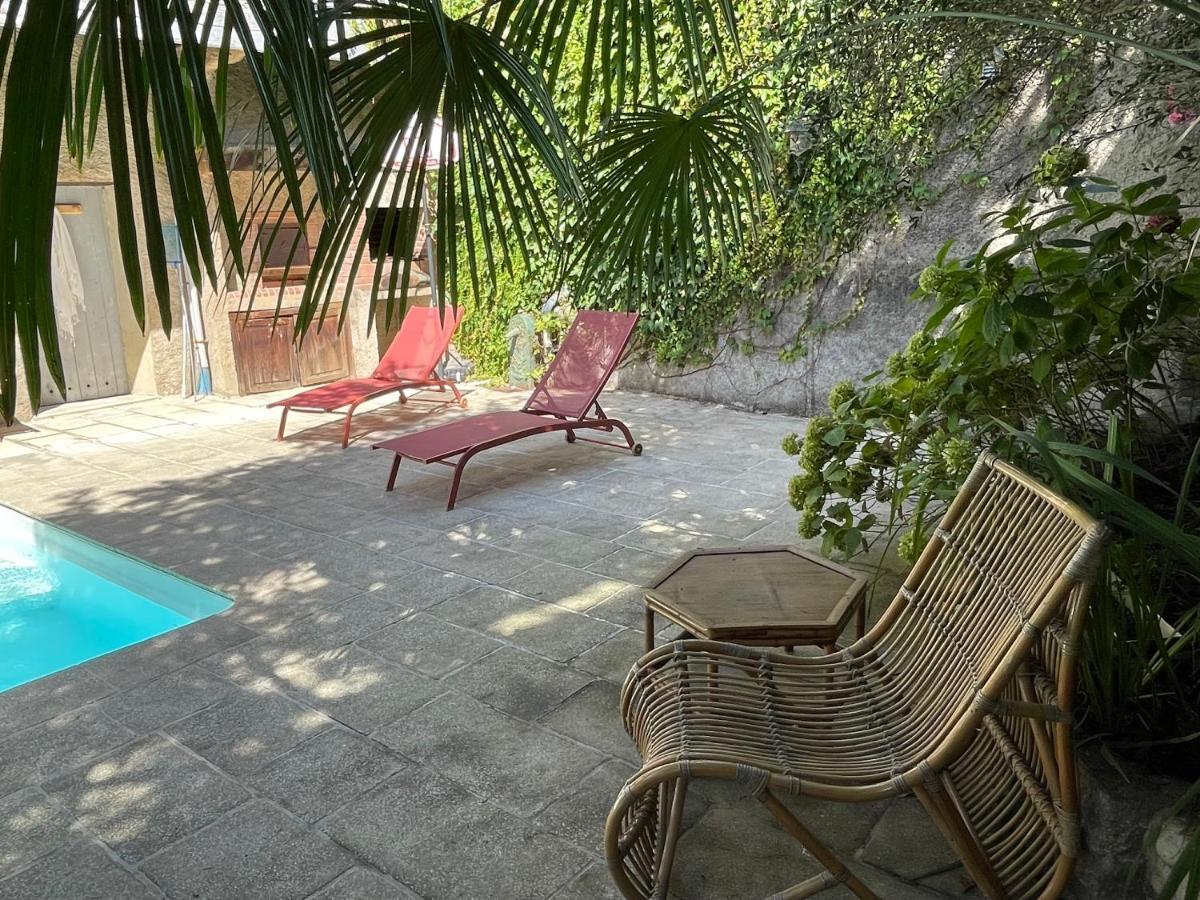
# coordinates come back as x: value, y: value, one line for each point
x: 882, y: 273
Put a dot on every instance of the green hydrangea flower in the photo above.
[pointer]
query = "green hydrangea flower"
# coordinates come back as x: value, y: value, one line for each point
x: 800, y: 485
x: 959, y: 456
x: 935, y: 279
x: 999, y: 275
x: 842, y: 392
x: 791, y: 444
x: 814, y: 452
x: 1058, y: 165
x: 910, y: 546
x: 810, y: 523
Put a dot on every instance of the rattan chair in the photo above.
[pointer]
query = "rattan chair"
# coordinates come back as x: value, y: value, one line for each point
x: 961, y: 694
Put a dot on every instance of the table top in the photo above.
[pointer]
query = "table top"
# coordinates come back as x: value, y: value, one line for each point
x: 760, y: 595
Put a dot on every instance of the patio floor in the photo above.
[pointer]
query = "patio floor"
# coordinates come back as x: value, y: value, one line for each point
x: 403, y: 701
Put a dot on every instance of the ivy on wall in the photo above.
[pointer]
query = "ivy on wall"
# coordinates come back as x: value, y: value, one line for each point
x: 883, y: 105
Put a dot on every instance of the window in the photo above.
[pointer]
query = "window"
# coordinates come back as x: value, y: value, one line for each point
x: 275, y: 246
x: 395, y: 236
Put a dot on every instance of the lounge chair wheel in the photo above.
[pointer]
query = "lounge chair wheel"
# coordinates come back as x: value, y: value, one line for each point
x: 463, y: 403
x: 570, y: 437
x: 637, y: 449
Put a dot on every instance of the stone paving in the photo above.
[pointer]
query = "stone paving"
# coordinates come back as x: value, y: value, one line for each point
x: 403, y: 702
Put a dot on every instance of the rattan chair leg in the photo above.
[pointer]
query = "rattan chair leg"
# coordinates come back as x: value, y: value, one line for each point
x: 838, y: 871
x: 955, y: 829
x: 677, y: 797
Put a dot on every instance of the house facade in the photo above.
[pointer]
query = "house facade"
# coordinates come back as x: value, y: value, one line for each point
x: 227, y: 337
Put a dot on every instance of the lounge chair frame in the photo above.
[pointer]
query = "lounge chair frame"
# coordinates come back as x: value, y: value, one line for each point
x: 598, y: 422
x: 960, y: 695
x: 429, y: 381
x: 439, y: 384
x: 552, y: 419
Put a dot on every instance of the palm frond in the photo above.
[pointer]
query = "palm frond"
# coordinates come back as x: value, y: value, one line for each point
x: 143, y: 65
x: 445, y: 108
x: 673, y: 194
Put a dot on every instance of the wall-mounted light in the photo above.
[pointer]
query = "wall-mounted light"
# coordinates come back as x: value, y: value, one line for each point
x: 801, y: 136
x: 989, y: 71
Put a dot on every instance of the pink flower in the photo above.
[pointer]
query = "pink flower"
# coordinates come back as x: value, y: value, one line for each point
x: 1164, y: 224
x: 1180, y: 116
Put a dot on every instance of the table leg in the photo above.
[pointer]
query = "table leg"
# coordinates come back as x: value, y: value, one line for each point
x: 649, y: 629
x: 860, y: 619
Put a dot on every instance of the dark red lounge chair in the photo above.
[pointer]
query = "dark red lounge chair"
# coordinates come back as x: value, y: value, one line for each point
x: 563, y: 400
x: 409, y: 364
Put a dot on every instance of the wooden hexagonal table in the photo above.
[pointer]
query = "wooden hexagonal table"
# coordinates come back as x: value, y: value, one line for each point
x: 761, y: 596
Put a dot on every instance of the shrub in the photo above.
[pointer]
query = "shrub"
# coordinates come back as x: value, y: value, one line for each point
x: 1061, y: 344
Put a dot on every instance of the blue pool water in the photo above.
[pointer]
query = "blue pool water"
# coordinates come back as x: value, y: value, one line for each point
x: 65, y: 599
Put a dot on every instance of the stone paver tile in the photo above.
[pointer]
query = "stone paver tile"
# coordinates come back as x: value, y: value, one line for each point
x: 343, y: 622
x: 156, y: 703
x: 80, y: 871
x: 613, y: 659
x: 431, y: 834
x: 698, y: 517
x: 324, y: 773
x: 31, y: 825
x: 322, y: 516
x: 145, y: 796
x: 566, y: 547
x: 423, y: 587
x: 385, y: 535
x: 363, y: 884
x: 604, y: 525
x: 905, y: 842
x: 428, y: 645
x: 499, y: 857
x: 635, y: 566
x: 471, y: 558
x: 386, y: 823
x: 732, y: 847
x: 627, y: 607
x: 348, y: 684
x: 518, y: 683
x: 884, y: 885
x: 658, y: 537
x: 246, y: 730
x: 579, y: 814
x: 31, y: 756
x: 728, y: 497
x: 45, y: 698
x: 170, y: 652
x: 567, y: 586
x: 352, y: 563
x: 594, y: 883
x: 613, y: 500
x: 544, y: 628
x: 517, y: 764
x: 254, y: 851
x: 593, y: 717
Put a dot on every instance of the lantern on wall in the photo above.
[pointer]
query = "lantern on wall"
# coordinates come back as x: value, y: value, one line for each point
x: 801, y: 136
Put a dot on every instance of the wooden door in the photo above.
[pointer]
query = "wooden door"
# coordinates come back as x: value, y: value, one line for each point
x: 85, y: 306
x: 262, y: 352
x: 324, y: 355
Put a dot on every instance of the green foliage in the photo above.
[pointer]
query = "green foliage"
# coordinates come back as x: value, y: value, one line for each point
x: 481, y: 336
x: 1062, y: 343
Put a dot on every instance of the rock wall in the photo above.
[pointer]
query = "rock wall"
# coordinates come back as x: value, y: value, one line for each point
x: 882, y: 273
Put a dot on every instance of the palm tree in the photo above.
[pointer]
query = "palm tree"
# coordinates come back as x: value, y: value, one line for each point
x: 534, y: 125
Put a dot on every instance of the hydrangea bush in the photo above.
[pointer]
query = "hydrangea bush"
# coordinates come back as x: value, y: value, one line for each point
x: 1068, y: 343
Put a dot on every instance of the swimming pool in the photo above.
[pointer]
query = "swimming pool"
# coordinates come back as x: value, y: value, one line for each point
x: 65, y: 599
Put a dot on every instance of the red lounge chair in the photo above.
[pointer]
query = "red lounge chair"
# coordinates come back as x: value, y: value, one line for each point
x: 563, y: 400
x: 409, y: 364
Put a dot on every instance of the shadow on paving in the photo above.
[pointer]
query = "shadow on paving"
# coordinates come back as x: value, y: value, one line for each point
x: 403, y: 702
